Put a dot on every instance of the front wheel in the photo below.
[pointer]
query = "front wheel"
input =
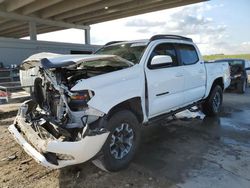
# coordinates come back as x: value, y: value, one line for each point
x: 212, y: 105
x: 122, y: 142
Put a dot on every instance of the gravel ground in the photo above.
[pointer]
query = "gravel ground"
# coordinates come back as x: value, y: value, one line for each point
x: 213, y: 152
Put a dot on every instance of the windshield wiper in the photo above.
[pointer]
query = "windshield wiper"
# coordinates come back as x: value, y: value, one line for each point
x: 104, y: 67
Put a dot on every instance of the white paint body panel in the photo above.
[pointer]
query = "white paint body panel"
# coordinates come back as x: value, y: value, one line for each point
x: 185, y: 84
x: 82, y: 150
x: 160, y: 81
x: 195, y: 80
x: 113, y: 88
x: 217, y: 70
x: 160, y: 90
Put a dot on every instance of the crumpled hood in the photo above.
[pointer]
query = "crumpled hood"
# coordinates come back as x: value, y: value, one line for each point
x: 52, y: 60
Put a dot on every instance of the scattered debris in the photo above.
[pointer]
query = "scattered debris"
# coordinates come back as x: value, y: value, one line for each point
x: 98, y: 163
x: 100, y: 172
x: 95, y: 175
x: 39, y: 175
x: 31, y: 174
x: 25, y: 161
x: 129, y: 185
x: 150, y: 178
x: 189, y: 114
x: 12, y: 156
x: 3, y: 159
x: 78, y: 174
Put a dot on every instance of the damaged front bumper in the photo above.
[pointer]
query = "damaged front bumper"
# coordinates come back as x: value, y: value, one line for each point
x: 67, y: 152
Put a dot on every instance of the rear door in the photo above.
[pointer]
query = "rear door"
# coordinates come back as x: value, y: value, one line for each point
x: 194, y: 73
x: 165, y: 83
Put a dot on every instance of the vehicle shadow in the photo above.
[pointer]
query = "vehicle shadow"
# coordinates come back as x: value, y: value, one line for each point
x: 164, y: 158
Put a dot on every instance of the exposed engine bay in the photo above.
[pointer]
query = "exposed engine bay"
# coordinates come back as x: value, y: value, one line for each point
x: 65, y: 108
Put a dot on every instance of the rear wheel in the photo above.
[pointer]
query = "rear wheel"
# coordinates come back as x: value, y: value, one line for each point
x: 122, y: 142
x: 212, y: 105
x: 241, y: 86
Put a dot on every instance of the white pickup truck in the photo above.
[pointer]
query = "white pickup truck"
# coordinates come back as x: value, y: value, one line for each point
x: 87, y: 106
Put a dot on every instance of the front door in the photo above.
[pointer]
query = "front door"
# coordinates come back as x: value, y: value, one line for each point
x: 165, y: 83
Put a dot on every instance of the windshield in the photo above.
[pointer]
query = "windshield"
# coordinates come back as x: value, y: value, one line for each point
x: 129, y: 51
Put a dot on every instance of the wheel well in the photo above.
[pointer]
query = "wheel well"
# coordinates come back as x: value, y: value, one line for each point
x: 218, y: 81
x: 133, y: 104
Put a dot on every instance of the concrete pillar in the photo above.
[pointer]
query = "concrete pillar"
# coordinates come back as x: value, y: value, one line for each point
x: 87, y: 36
x: 32, y: 31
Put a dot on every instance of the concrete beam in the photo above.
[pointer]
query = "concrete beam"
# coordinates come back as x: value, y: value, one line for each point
x: 38, y: 5
x: 23, y: 27
x: 32, y: 31
x: 90, y: 8
x: 24, y: 33
x: 130, y: 11
x: 65, y: 6
x: 3, y: 20
x: 8, y: 25
x: 16, y: 4
x: 125, y: 7
x: 14, y: 16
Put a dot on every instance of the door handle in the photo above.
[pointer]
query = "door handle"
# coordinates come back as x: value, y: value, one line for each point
x: 178, y: 75
x: 164, y: 93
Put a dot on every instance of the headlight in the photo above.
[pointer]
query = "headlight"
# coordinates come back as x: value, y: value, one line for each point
x: 78, y: 99
x: 82, y: 95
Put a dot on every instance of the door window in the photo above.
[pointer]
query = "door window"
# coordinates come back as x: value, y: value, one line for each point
x: 188, y: 54
x: 163, y: 49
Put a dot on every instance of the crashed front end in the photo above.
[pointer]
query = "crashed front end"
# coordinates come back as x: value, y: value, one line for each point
x: 51, y: 145
x: 58, y: 128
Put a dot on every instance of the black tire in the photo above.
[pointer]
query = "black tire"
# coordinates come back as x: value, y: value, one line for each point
x: 212, y: 105
x: 110, y: 160
x: 241, y: 86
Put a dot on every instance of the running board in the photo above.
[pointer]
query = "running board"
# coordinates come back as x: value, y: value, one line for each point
x: 171, y: 113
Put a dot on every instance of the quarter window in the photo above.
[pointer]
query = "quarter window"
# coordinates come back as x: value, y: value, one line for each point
x: 188, y: 54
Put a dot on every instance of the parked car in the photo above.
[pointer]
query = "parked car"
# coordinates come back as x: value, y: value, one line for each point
x: 89, y: 106
x: 238, y: 73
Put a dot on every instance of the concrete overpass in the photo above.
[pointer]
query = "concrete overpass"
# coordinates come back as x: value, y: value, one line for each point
x: 21, y: 18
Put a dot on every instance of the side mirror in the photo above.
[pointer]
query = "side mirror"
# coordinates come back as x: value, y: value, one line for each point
x: 162, y: 60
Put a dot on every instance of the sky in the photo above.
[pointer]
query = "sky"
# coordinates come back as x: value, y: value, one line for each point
x: 216, y: 26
